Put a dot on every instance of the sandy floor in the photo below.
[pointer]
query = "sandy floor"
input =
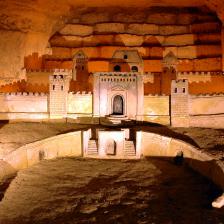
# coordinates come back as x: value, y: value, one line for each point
x: 98, y: 191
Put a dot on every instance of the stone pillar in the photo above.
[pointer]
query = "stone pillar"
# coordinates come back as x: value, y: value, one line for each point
x: 96, y: 95
x: 140, y: 98
x: 179, y: 103
x: 138, y: 144
x: 222, y: 41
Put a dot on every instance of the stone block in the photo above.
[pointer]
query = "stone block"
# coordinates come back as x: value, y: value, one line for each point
x: 129, y: 40
x: 179, y: 40
x: 188, y: 52
x: 211, y: 51
x: 172, y: 30
x: 95, y: 17
x: 208, y: 38
x: 162, y: 18
x: 109, y: 28
x: 76, y: 30
x: 205, y: 27
x: 143, y: 29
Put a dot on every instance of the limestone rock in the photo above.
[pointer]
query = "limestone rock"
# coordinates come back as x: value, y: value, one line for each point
x: 179, y: 40
x: 142, y: 29
x: 189, y: 52
x: 129, y: 40
x: 205, y: 27
x: 110, y: 28
x: 171, y: 30
x: 162, y: 18
x: 77, y: 30
x: 95, y: 17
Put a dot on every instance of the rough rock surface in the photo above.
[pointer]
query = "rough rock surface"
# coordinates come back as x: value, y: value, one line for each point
x: 73, y: 190
x: 28, y: 25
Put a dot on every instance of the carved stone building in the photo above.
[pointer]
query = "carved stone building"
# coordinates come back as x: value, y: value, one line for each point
x: 118, y: 95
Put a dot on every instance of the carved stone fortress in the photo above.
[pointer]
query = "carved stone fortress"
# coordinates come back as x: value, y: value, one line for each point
x: 117, y: 95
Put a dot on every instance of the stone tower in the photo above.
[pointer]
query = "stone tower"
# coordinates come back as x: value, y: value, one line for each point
x: 179, y: 103
x: 80, y: 67
x: 59, y: 87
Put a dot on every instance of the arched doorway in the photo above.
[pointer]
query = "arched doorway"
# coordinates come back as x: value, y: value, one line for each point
x: 117, y: 68
x: 118, y: 105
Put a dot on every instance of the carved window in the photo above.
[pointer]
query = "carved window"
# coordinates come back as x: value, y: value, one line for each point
x: 125, y: 56
x: 134, y: 69
x: 62, y: 88
x: 53, y: 87
x: 117, y: 68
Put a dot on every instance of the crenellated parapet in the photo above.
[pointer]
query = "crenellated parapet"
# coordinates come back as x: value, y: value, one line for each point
x: 198, y: 76
x: 27, y: 94
x: 156, y: 95
x: 83, y: 93
x: 206, y: 95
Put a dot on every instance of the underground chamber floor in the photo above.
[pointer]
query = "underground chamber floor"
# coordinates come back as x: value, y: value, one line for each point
x: 73, y: 190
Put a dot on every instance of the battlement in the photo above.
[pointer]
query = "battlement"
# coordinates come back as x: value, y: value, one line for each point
x: 117, y: 76
x: 208, y: 95
x: 179, y: 86
x: 26, y: 94
x: 155, y: 95
x: 83, y: 93
x: 48, y: 70
x: 201, y: 73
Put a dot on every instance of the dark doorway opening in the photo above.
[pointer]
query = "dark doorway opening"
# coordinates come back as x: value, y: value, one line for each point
x: 118, y: 105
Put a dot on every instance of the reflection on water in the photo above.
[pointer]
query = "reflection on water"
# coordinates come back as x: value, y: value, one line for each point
x: 73, y: 190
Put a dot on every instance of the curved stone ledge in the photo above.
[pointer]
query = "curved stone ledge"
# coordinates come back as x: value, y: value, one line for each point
x: 58, y: 146
x: 152, y: 145
x: 155, y: 145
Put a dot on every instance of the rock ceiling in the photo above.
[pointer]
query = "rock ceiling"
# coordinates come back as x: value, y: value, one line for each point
x: 27, y: 25
x: 40, y: 15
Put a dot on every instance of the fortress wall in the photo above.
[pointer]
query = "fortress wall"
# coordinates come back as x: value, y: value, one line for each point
x: 24, y: 102
x: 206, y: 104
x: 156, y: 109
x: 80, y: 103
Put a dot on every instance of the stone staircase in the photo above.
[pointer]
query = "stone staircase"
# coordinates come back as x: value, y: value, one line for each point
x: 129, y: 149
x: 92, y: 148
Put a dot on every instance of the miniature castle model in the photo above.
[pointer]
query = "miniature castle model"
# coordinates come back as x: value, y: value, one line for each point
x: 117, y: 95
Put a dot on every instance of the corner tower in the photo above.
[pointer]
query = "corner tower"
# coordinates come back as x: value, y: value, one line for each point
x: 59, y: 87
x: 179, y: 103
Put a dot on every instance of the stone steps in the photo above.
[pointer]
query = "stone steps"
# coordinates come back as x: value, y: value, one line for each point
x: 129, y: 149
x: 92, y: 148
